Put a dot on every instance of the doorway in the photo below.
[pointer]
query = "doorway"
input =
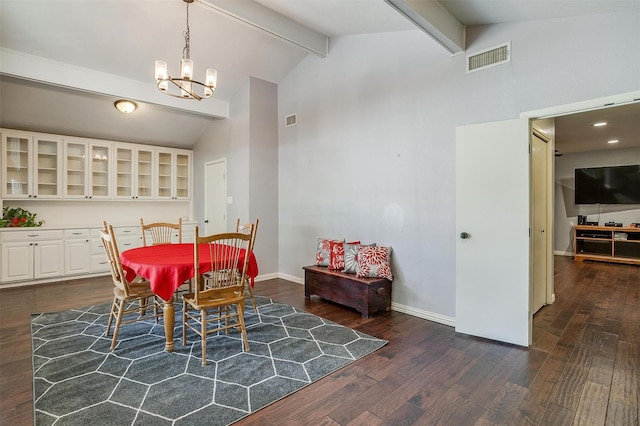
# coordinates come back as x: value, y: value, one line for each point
x: 579, y: 115
x: 215, y: 193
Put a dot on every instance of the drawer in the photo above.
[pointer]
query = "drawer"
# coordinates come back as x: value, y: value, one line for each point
x: 30, y: 235
x: 127, y: 231
x: 99, y: 263
x: 77, y: 233
x: 126, y: 243
x: 97, y: 247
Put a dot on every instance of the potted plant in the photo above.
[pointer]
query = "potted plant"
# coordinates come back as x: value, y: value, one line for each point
x: 17, y: 217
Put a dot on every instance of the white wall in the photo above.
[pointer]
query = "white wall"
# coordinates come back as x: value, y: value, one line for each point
x: 248, y: 140
x: 372, y: 156
x: 566, y: 212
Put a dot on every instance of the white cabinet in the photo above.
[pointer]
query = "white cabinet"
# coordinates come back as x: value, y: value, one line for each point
x: 173, y: 174
x: 87, y: 169
x: 135, y: 177
x: 31, y: 166
x: 31, y: 254
x: 77, y: 251
x: 98, y: 259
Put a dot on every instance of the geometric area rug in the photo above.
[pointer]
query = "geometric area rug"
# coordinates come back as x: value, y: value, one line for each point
x: 79, y: 381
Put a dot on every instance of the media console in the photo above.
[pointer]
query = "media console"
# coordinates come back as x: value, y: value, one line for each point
x: 607, y: 244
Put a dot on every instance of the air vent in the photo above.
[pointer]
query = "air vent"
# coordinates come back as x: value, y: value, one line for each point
x: 489, y: 57
x: 291, y: 120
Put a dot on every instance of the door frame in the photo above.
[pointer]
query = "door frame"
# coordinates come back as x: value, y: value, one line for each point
x: 550, y: 113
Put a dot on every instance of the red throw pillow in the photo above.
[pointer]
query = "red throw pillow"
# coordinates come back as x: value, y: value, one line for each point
x: 374, y: 262
x: 336, y: 254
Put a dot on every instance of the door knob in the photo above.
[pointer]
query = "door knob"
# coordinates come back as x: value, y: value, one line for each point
x: 465, y: 235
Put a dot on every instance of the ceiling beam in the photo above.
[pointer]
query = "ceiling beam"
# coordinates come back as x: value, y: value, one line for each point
x: 22, y: 65
x: 432, y: 18
x: 264, y: 19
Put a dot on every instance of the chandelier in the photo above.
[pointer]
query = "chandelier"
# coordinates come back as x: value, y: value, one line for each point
x: 185, y: 86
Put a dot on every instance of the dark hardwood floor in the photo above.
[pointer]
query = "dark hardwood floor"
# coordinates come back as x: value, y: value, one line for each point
x: 583, y: 366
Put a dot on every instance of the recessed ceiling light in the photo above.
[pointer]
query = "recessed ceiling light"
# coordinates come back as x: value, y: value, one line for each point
x: 600, y: 124
x: 613, y: 141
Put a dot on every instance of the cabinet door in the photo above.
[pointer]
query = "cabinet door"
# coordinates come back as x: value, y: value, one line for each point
x: 17, y: 261
x: 124, y: 174
x: 16, y: 170
x: 48, y: 260
x: 183, y: 176
x: 75, y: 184
x: 100, y: 170
x: 165, y: 160
x: 144, y: 174
x: 77, y: 256
x: 47, y: 167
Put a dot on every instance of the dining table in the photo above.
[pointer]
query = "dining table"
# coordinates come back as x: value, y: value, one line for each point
x: 169, y: 266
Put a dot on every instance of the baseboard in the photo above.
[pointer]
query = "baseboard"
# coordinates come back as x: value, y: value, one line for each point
x: 562, y: 253
x: 431, y: 316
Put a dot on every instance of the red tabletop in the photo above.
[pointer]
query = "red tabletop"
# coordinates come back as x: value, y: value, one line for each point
x: 168, y: 266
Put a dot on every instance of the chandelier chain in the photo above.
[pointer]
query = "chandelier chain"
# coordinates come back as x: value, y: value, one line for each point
x: 186, y: 52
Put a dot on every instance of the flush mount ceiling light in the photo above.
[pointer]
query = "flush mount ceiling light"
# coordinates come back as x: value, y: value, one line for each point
x: 125, y: 106
x: 185, y: 86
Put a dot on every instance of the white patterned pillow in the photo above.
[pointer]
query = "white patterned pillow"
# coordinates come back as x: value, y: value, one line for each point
x: 351, y: 257
x: 322, y: 251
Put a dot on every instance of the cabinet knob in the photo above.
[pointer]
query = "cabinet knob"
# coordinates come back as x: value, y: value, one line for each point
x: 465, y: 235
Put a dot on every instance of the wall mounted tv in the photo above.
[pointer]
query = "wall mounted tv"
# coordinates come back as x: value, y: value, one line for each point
x: 608, y: 185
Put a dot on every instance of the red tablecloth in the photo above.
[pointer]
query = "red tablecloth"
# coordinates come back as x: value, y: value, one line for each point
x: 168, y: 266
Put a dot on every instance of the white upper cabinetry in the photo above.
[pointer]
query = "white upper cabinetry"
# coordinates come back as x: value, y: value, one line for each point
x: 134, y: 172
x: 87, y: 169
x: 174, y: 174
x: 31, y: 166
x: 43, y: 166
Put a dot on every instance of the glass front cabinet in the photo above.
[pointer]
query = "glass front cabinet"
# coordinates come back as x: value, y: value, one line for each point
x: 134, y: 177
x: 87, y: 169
x: 31, y: 166
x: 43, y: 166
x: 173, y: 172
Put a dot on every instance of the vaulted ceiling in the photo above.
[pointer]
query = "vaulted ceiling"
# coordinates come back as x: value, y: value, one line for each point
x: 64, y: 62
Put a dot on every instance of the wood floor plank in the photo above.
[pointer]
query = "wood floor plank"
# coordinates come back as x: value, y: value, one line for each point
x: 592, y: 408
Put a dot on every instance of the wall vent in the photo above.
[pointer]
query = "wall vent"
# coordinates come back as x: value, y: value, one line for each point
x: 291, y: 120
x: 489, y: 57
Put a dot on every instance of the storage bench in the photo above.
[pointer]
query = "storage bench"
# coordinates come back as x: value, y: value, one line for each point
x: 365, y: 295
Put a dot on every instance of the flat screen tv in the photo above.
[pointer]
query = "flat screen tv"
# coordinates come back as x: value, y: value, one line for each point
x: 608, y: 185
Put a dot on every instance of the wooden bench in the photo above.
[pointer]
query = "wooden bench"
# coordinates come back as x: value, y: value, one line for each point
x: 365, y: 295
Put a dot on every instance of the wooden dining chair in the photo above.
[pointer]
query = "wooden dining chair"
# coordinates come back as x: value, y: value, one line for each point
x: 126, y: 293
x: 219, y: 307
x: 161, y: 232
x: 250, y: 229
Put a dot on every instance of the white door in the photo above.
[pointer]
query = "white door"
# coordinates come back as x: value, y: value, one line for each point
x: 492, y: 226
x: 539, y: 220
x: 215, y: 189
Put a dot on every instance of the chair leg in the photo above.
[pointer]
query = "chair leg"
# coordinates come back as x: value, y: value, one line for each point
x: 253, y: 299
x: 203, y: 323
x: 184, y: 323
x: 117, y: 326
x: 112, y: 314
x: 243, y: 329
